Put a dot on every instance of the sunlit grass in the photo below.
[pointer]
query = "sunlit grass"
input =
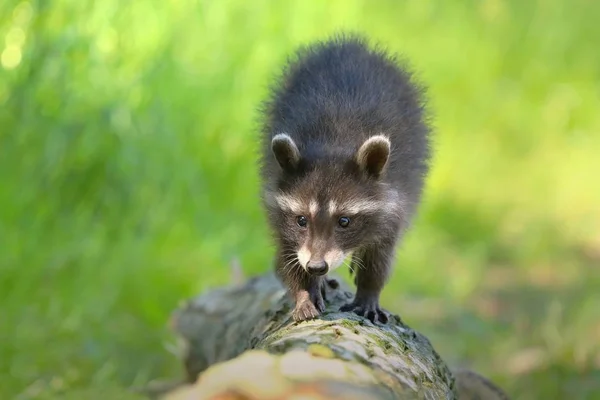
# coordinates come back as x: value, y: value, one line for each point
x: 128, y: 180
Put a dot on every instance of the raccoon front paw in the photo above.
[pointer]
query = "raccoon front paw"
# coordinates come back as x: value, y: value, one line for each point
x: 306, y: 310
x: 368, y: 309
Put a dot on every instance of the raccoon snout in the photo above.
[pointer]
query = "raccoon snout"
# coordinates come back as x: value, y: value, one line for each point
x: 317, y: 267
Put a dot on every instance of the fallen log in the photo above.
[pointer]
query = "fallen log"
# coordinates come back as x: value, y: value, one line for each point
x: 239, y: 342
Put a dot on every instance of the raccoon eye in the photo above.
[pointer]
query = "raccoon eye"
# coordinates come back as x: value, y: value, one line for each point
x: 301, y: 221
x: 344, y: 222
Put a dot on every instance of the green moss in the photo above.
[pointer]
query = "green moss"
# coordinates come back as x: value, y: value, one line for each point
x: 402, y: 345
x: 424, y: 380
x: 380, y: 341
x: 384, y: 344
x: 369, y: 349
x: 285, y: 308
x: 321, y: 350
x: 398, y: 320
x: 324, y: 327
x: 280, y: 347
x: 348, y: 323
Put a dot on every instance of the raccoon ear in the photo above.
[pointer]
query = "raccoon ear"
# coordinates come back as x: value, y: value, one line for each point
x: 373, y: 154
x: 285, y: 150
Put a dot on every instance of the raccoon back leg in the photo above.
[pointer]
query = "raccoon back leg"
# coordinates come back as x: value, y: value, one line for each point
x: 372, y: 267
x: 355, y: 264
x: 332, y: 283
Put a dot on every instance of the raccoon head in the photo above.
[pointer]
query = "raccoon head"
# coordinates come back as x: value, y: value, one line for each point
x: 324, y: 208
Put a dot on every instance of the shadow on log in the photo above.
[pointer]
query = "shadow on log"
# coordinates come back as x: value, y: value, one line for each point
x: 239, y: 342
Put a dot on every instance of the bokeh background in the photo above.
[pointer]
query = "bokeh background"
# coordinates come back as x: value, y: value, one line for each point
x: 128, y: 181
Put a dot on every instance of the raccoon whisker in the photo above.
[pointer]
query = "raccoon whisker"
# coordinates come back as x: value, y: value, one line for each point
x: 294, y: 272
x: 349, y: 265
x: 288, y: 264
x: 291, y: 261
x: 288, y: 252
x: 289, y: 256
x: 359, y: 263
x: 288, y: 261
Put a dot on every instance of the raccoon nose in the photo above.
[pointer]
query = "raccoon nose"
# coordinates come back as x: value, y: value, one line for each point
x: 317, y: 267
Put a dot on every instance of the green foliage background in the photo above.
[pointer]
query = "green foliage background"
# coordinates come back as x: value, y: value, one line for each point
x: 128, y: 181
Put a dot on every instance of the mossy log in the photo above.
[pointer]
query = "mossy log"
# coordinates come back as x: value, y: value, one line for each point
x: 240, y: 342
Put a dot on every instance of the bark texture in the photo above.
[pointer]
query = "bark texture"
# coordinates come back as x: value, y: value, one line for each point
x: 239, y: 342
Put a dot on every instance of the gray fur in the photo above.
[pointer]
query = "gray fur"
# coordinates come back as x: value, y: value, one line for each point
x: 331, y: 98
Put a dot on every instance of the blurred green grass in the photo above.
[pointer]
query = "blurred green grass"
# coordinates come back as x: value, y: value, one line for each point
x: 127, y: 181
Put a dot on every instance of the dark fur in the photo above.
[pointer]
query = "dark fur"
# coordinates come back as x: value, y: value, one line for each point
x: 331, y: 98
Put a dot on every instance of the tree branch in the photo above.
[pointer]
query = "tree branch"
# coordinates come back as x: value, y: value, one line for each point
x: 241, y: 342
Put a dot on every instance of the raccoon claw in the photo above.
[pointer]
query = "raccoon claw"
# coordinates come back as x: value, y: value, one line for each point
x: 368, y: 310
x: 305, y: 311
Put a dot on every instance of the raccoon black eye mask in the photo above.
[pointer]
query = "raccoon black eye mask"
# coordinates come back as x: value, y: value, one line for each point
x: 343, y: 221
x: 344, y: 158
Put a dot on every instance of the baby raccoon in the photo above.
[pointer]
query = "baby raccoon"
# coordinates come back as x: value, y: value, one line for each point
x: 345, y: 153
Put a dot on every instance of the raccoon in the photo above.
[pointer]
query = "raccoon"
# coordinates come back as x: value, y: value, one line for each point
x: 345, y: 152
